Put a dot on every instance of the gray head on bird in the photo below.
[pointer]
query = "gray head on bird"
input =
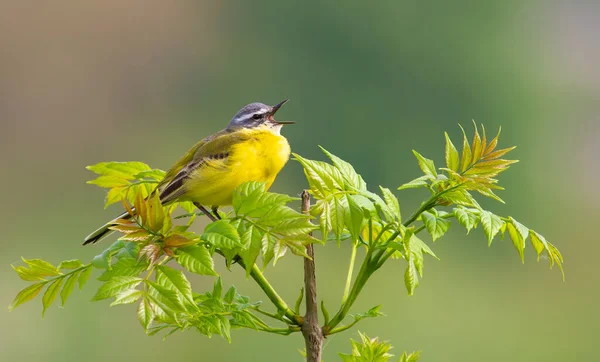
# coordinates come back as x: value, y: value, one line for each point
x: 256, y: 115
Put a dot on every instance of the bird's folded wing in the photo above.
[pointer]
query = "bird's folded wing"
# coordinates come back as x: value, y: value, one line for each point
x: 213, y: 148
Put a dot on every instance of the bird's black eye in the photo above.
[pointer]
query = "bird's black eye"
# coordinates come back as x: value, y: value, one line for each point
x: 256, y: 116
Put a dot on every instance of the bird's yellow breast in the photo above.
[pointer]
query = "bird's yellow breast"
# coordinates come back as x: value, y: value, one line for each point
x: 259, y: 157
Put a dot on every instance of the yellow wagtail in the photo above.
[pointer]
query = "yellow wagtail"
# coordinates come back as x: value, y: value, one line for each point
x: 251, y: 148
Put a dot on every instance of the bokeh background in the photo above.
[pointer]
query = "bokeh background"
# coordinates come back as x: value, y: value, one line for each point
x: 83, y: 82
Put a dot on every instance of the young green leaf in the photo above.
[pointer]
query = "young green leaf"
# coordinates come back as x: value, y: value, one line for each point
x: 370, y: 350
x: 175, y: 280
x: 416, y: 183
x: 371, y: 313
x: 467, y: 217
x: 70, y: 264
x: 392, y: 202
x: 68, y: 287
x: 127, y: 296
x: 51, y: 294
x: 411, y: 278
x: 518, y: 234
x: 196, y: 259
x: 413, y: 357
x: 426, y: 165
x: 491, y: 224
x: 436, y: 226
x: 84, y: 276
x: 452, y: 158
x: 116, y: 285
x: 145, y: 313
x: 252, y: 241
x: 354, y: 217
x: 125, y: 267
x: 26, y: 295
x: 42, y: 268
x: 28, y: 274
x: 221, y: 234
x: 323, y: 178
x: 351, y: 178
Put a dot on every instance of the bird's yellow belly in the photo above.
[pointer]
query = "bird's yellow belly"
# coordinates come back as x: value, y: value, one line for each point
x: 258, y: 159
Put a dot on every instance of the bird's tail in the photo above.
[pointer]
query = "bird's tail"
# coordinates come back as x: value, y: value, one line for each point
x: 104, y: 230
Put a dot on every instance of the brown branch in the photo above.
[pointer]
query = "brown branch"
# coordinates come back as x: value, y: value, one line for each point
x: 312, y: 332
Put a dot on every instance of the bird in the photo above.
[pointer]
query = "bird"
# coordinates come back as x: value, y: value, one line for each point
x: 250, y: 148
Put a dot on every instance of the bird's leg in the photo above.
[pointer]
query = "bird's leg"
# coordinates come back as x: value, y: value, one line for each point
x: 206, y: 212
x: 215, y: 211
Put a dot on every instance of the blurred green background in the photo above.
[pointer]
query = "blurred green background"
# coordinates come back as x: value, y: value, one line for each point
x: 83, y: 82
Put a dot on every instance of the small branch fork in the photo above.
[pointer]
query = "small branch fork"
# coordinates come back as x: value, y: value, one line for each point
x: 312, y: 332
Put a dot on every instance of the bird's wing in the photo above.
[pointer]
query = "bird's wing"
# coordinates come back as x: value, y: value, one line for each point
x: 215, y: 147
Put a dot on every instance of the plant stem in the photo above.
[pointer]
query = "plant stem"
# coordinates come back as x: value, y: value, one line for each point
x: 366, y: 269
x: 312, y: 332
x: 264, y: 284
x: 350, y: 270
x: 370, y: 264
x: 279, y: 303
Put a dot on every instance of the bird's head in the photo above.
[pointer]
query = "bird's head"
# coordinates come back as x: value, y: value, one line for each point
x: 257, y: 115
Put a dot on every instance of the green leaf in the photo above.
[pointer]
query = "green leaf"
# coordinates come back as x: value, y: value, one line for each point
x: 466, y: 152
x: 68, y: 287
x: 300, y: 225
x: 217, y: 288
x: 169, y: 299
x: 518, y: 233
x: 84, y: 276
x: 28, y: 274
x: 51, y: 294
x: 145, y: 313
x: 370, y: 350
x: 126, y: 170
x: 221, y: 234
x: 392, y: 202
x: 452, y: 158
x: 466, y: 218
x: 339, y: 205
x: 41, y: 267
x: 416, y: 183
x: 251, y: 200
x: 371, y: 313
x: 413, y: 357
x: 127, y: 296
x: 323, y: 178
x: 26, y: 295
x: 116, y: 285
x: 538, y: 242
x: 196, y: 259
x: 70, y: 264
x: 436, y: 226
x: 554, y: 255
x: 411, y: 278
x: 125, y: 267
x: 491, y: 224
x: 426, y: 165
x: 230, y: 295
x: 175, y: 280
x: 352, y: 179
x: 252, y: 240
x: 354, y: 217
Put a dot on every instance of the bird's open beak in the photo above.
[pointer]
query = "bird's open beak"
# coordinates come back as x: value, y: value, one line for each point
x: 274, y: 110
